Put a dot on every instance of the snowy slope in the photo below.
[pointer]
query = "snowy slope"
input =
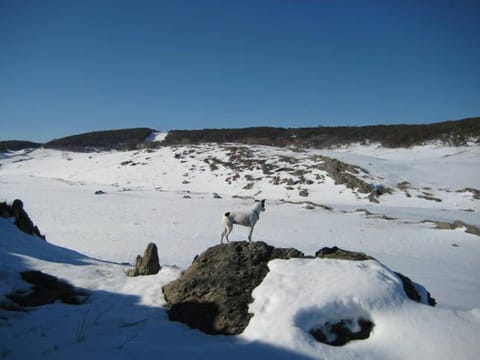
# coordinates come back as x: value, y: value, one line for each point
x: 435, y: 177
x: 124, y: 316
x: 285, y: 309
x: 166, y: 196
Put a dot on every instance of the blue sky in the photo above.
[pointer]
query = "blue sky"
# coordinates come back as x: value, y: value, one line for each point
x: 68, y: 67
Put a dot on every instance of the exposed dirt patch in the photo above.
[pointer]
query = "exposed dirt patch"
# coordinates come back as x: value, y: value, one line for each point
x: 442, y: 225
x: 428, y: 196
x: 475, y: 192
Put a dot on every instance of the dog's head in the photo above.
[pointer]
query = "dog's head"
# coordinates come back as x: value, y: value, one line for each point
x: 260, y: 204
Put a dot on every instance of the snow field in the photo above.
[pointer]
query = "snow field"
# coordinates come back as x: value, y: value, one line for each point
x: 92, y: 238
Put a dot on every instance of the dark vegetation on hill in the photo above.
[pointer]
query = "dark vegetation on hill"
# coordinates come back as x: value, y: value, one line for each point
x: 124, y: 139
x: 15, y: 145
x: 452, y: 132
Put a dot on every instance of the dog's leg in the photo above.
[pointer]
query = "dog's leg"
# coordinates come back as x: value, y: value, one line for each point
x: 250, y: 234
x: 227, y: 226
x: 228, y: 229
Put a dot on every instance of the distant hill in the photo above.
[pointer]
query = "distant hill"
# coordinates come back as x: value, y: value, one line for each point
x: 452, y: 132
x: 457, y: 132
x: 123, y: 139
x: 15, y: 145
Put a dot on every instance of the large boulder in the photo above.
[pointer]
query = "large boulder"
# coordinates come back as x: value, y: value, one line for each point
x: 213, y: 294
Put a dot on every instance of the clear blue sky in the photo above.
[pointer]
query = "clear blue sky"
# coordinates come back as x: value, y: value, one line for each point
x: 68, y: 67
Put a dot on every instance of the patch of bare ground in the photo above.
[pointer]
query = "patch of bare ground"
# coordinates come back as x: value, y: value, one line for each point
x: 242, y: 158
x: 428, y: 196
x: 343, y: 173
x: 290, y: 171
x: 443, y: 225
x: 373, y: 215
x: 405, y: 186
x: 308, y: 204
x: 475, y: 192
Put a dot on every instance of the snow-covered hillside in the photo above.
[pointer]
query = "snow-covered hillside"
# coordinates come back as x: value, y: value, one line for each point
x: 175, y: 197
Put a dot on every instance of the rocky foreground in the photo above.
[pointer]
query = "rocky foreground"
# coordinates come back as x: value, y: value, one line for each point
x: 214, y: 293
x: 283, y: 303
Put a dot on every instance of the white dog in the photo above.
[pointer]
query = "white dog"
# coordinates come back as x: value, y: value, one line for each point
x: 245, y: 218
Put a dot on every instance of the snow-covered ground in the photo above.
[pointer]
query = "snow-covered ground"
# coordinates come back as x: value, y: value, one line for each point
x: 166, y: 196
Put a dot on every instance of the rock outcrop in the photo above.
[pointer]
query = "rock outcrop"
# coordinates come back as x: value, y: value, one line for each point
x: 337, y: 253
x: 213, y: 294
x: 22, y: 220
x: 443, y: 225
x: 148, y: 264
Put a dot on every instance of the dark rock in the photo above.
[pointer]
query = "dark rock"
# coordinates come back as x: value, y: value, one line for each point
x: 249, y: 186
x: 412, y: 292
x: 377, y: 190
x: 340, y: 333
x: 46, y: 290
x: 429, y: 197
x: 404, y: 185
x: 337, y: 253
x: 213, y: 294
x: 100, y: 192
x: 22, y: 220
x: 5, y: 210
x: 148, y: 264
x: 285, y: 253
x: 17, y: 208
x: 303, y: 192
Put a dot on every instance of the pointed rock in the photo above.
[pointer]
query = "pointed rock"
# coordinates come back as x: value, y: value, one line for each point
x: 148, y: 264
